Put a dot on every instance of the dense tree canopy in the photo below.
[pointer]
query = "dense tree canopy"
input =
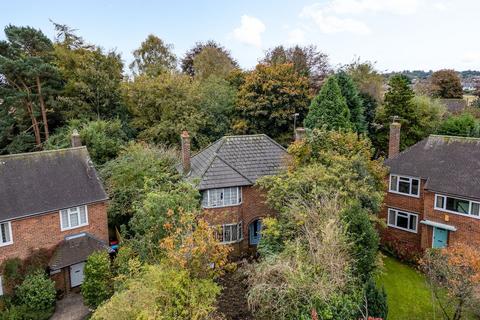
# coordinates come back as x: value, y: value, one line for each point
x: 153, y: 57
x: 268, y: 100
x: 212, y: 62
x: 446, y: 84
x: 187, y: 63
x: 354, y: 101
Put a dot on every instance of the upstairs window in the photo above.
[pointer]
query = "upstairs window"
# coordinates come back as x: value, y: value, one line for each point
x: 223, y: 197
x: 404, y: 185
x: 402, y: 220
x: 5, y: 233
x: 229, y: 233
x: 457, y: 205
x: 72, y: 218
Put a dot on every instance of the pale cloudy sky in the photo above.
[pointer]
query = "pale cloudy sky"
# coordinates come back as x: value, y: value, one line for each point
x: 397, y: 34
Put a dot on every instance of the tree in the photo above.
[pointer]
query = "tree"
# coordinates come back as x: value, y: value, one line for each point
x: 164, y: 106
x: 354, y: 101
x: 268, y: 100
x: 464, y: 124
x: 419, y: 116
x: 161, y: 291
x: 187, y: 63
x: 370, y: 106
x: 456, y: 271
x: 29, y: 78
x: 212, y: 62
x: 307, y: 61
x: 329, y: 108
x: 153, y: 57
x: 97, y: 287
x: 446, y: 84
x: 376, y: 299
x: 92, y: 79
x: 104, y: 139
x: 367, y: 79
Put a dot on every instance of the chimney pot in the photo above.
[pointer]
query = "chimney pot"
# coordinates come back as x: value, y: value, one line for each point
x: 186, y: 152
x: 394, y: 139
x: 299, y: 134
x: 75, y: 140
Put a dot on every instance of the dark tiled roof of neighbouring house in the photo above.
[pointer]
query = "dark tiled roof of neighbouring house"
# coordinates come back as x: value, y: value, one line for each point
x: 237, y: 161
x: 450, y: 165
x: 454, y: 105
x: 46, y: 181
x: 76, y: 249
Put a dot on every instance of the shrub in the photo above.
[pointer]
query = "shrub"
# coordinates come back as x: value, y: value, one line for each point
x: 97, y: 286
x: 376, y: 300
x: 37, y: 291
x: 24, y: 312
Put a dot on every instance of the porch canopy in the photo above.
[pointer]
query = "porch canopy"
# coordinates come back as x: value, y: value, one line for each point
x: 438, y: 225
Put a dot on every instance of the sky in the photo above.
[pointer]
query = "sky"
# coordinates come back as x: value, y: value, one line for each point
x: 395, y: 34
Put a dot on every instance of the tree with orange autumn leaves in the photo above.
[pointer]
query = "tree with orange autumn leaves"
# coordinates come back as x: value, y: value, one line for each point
x: 454, y: 276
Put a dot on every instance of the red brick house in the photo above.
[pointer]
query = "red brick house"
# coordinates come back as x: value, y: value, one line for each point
x: 225, y: 173
x: 433, y: 197
x: 54, y: 201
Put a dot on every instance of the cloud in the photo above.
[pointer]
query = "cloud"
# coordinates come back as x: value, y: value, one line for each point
x: 399, y: 7
x: 250, y: 31
x: 329, y: 23
x: 296, y: 36
x: 471, y: 57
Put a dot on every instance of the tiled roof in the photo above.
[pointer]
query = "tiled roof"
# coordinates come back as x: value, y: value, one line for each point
x: 450, y: 165
x: 76, y: 249
x: 237, y: 161
x: 40, y: 182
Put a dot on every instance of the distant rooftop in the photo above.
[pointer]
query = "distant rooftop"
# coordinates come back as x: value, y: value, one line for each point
x: 237, y: 161
x: 449, y: 164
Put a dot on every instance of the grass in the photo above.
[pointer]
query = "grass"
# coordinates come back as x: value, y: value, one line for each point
x: 408, y: 294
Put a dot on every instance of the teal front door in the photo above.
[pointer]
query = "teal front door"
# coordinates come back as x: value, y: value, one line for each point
x: 440, y: 237
x: 254, y: 232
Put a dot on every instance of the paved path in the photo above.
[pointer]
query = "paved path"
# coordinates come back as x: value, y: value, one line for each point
x: 70, y: 308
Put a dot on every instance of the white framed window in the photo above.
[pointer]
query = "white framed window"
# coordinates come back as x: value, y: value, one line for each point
x: 1, y: 286
x: 72, y: 218
x: 6, y: 237
x: 229, y: 233
x: 402, y: 220
x: 404, y: 185
x: 222, y: 197
x: 457, y: 205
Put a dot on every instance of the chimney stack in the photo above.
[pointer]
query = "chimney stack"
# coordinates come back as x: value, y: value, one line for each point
x: 75, y: 140
x: 299, y: 134
x: 394, y: 140
x: 186, y: 152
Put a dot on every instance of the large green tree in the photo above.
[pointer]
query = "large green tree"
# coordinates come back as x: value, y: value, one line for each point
x: 329, y: 108
x: 446, y: 84
x: 354, y: 101
x: 268, y: 100
x: 153, y: 57
x: 212, y: 62
x: 187, y: 63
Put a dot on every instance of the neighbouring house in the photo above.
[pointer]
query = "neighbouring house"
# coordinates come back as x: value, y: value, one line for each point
x: 433, y: 197
x: 454, y: 106
x: 52, y: 202
x: 225, y: 174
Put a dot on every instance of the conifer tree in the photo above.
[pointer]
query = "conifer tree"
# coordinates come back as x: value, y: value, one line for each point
x: 329, y: 108
x: 354, y: 101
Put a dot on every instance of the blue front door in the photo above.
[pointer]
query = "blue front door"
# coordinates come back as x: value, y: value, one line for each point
x: 440, y: 237
x: 254, y: 232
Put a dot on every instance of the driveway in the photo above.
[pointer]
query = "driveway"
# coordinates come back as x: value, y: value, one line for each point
x: 70, y: 308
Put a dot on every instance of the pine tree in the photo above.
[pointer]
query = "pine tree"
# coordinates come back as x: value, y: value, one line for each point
x: 329, y: 108
x: 354, y: 102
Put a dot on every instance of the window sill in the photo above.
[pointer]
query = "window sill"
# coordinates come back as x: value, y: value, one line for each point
x: 73, y: 228
x: 457, y: 213
x: 6, y: 244
x: 404, y: 194
x: 230, y: 205
x: 232, y: 242
x: 400, y: 228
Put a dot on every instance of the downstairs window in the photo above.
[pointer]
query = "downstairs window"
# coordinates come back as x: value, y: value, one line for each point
x: 402, y: 220
x: 229, y: 233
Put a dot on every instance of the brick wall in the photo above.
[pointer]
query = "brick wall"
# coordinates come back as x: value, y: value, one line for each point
x: 252, y: 207
x: 43, y: 231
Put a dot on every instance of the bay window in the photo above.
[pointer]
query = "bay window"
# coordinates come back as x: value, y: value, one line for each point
x: 221, y: 197
x: 402, y: 220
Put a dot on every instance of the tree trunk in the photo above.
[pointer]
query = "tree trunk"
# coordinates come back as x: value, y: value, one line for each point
x: 36, y: 129
x: 43, y: 108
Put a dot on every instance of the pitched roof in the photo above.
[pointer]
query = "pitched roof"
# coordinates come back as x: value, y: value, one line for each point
x: 40, y: 182
x: 76, y: 249
x: 450, y: 165
x: 454, y: 105
x: 237, y: 161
